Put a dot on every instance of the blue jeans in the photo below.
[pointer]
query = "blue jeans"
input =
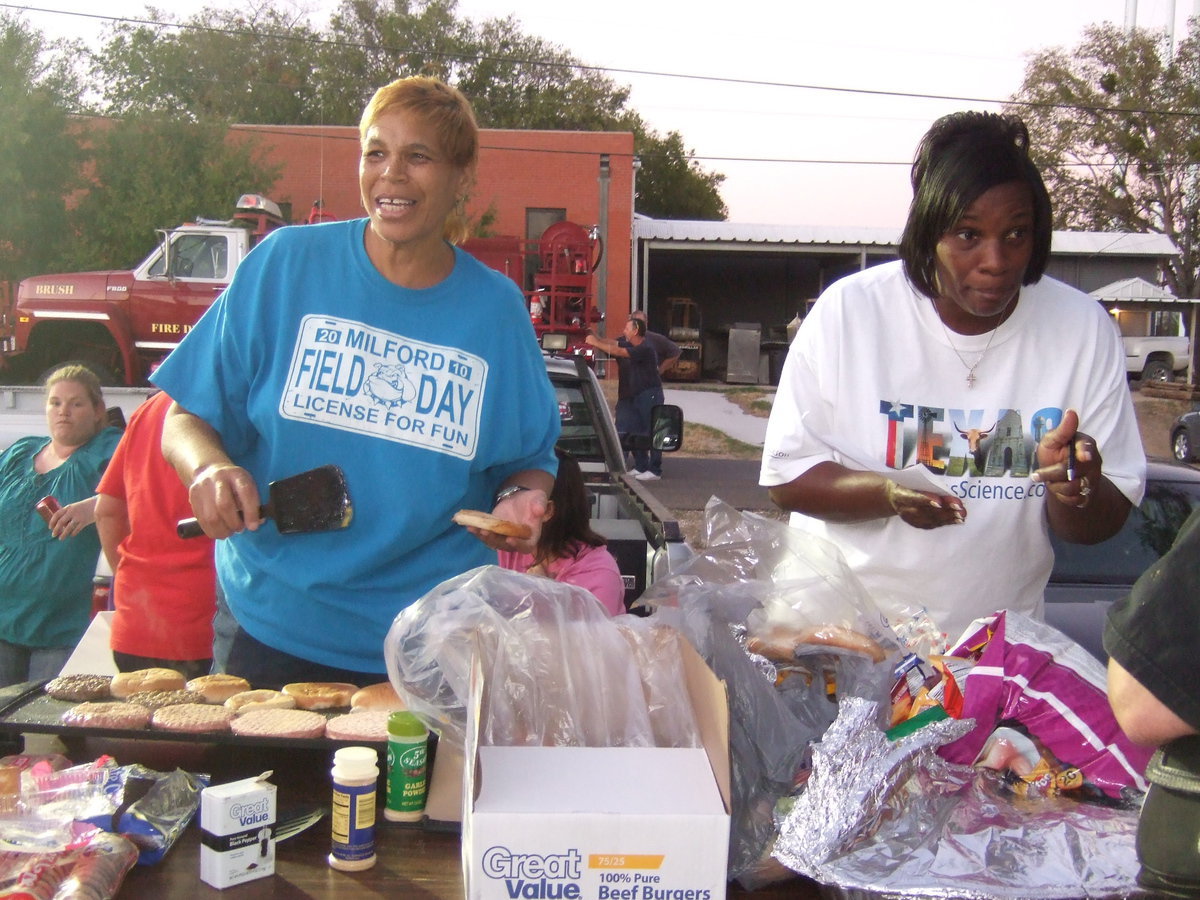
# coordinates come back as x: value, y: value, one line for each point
x: 633, y: 418
x: 19, y: 663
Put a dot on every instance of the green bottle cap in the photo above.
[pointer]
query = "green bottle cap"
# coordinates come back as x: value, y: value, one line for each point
x: 402, y: 723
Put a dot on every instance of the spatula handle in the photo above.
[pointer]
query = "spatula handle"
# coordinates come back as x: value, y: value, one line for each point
x: 189, y: 528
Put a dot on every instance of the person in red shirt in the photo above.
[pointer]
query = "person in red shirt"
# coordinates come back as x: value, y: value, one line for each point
x: 164, y: 587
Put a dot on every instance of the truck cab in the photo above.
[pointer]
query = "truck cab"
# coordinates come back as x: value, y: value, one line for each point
x: 122, y: 323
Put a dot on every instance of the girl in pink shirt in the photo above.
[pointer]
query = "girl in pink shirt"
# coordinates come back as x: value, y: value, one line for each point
x: 569, y: 550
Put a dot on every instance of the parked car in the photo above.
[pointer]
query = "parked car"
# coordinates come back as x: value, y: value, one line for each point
x: 1185, y: 436
x: 1087, y: 578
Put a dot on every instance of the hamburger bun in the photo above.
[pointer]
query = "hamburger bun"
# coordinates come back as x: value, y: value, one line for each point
x: 473, y: 518
x: 380, y: 696
x: 259, y: 699
x: 320, y: 694
x: 126, y: 683
x: 218, y: 688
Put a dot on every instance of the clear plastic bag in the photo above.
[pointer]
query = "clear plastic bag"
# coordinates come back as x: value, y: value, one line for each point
x: 761, y: 578
x: 561, y: 671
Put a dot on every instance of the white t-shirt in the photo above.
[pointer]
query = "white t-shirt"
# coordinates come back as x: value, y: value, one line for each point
x: 873, y: 381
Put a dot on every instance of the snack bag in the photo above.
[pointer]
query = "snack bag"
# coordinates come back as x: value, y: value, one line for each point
x: 1051, y: 692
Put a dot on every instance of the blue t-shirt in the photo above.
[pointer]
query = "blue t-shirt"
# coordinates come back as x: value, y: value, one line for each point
x: 45, y: 583
x: 428, y: 399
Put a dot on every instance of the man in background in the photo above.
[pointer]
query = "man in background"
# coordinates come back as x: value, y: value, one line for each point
x: 639, y: 390
x: 665, y: 349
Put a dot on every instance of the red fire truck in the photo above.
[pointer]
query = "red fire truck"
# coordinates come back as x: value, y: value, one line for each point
x: 124, y: 322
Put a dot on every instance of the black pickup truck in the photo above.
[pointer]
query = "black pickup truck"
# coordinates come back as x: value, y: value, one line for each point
x: 642, y: 535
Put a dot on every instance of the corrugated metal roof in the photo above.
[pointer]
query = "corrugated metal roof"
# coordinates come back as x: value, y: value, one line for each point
x: 1133, y: 289
x: 1076, y: 243
x: 731, y: 232
x: 1120, y: 243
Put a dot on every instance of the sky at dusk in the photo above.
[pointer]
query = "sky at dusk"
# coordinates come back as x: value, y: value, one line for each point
x: 812, y: 111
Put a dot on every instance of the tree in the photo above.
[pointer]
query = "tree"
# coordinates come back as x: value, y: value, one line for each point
x: 35, y: 96
x: 256, y: 64
x: 212, y: 67
x: 1115, y: 125
x: 372, y: 42
x: 671, y: 185
x: 154, y: 171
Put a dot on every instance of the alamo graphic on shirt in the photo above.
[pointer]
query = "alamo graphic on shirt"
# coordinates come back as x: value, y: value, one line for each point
x: 974, y: 442
x: 348, y: 375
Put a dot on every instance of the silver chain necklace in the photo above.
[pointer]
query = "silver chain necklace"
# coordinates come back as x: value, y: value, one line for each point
x: 971, y: 367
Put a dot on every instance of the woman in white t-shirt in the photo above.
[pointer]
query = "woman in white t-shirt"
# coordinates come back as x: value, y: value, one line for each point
x: 937, y: 416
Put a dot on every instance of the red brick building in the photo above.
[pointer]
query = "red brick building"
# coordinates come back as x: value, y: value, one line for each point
x: 526, y: 181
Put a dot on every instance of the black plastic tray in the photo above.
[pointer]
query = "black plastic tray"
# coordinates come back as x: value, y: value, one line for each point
x: 28, y: 708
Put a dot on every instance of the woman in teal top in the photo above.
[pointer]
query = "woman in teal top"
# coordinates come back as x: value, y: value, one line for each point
x: 46, y: 569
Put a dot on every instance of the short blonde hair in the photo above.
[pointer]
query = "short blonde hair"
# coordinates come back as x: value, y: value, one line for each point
x: 79, y: 374
x: 448, y: 112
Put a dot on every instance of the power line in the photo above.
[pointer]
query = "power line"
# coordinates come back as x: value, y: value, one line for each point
x: 647, y: 73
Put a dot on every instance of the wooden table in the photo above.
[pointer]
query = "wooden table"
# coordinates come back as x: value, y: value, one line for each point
x: 414, y: 863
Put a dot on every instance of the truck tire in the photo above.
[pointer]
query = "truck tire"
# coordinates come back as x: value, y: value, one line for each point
x: 1181, y: 446
x: 1157, y: 370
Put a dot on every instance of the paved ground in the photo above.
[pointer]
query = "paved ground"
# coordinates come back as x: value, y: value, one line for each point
x: 688, y: 482
x: 714, y: 409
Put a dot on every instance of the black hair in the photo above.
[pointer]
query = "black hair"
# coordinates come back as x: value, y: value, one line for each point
x: 571, y: 521
x: 961, y: 157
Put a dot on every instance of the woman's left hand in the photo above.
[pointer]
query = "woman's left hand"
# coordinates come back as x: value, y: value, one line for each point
x: 1054, y: 463
x: 73, y: 518
x: 527, y: 507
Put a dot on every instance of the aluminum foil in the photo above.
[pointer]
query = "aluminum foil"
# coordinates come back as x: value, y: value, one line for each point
x: 892, y: 820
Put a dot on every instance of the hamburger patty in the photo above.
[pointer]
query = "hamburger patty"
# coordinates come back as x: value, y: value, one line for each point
x: 78, y: 688
x: 192, y: 718
x: 112, y: 714
x: 158, y: 699
x: 283, y: 723
x: 370, y: 725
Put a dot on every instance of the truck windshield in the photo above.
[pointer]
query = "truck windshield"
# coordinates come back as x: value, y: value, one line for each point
x: 578, y: 436
x: 196, y: 256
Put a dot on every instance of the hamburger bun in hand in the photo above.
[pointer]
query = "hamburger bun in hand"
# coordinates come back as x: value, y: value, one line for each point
x: 474, y: 518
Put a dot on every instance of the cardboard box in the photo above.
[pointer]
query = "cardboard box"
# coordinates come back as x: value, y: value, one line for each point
x: 237, y: 831
x: 583, y: 823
